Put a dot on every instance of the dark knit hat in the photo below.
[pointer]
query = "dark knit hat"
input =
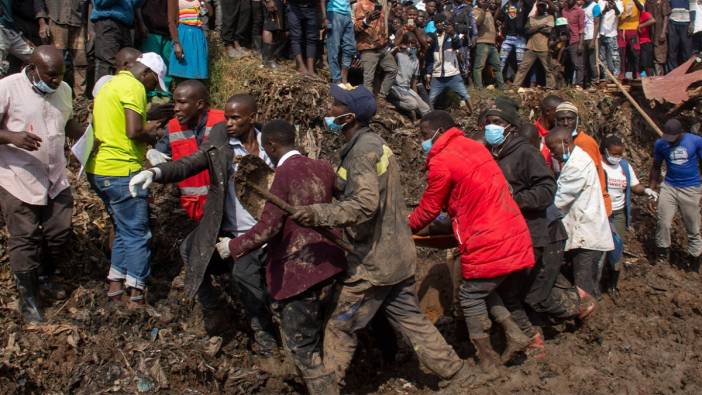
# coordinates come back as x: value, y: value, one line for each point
x: 506, y: 109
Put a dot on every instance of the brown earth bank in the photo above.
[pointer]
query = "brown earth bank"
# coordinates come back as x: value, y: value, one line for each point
x: 648, y: 342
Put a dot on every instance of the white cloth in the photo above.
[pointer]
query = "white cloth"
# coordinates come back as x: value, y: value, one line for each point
x: 616, y: 183
x: 287, y: 156
x: 610, y: 20
x: 697, y: 7
x: 591, y: 12
x: 579, y: 197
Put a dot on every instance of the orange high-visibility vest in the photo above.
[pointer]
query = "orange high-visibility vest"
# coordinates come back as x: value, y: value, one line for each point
x: 193, y: 190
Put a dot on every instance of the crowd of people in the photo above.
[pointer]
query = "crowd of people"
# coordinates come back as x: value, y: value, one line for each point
x: 539, y: 209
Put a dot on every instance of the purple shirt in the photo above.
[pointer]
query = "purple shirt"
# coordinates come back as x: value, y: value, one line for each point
x: 34, y: 177
x: 298, y: 257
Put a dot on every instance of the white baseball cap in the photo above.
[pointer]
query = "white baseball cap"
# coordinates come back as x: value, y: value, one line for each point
x: 154, y: 62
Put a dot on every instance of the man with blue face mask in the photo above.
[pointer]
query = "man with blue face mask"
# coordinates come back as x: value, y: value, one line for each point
x: 380, y: 274
x: 36, y: 113
x: 585, y: 218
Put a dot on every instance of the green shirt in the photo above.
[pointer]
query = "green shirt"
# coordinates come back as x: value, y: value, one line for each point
x: 117, y: 155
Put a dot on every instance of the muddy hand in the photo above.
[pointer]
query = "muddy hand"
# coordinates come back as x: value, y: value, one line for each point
x: 223, y: 247
x: 303, y: 216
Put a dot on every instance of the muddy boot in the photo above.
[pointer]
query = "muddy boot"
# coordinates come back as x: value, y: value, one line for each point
x: 51, y: 290
x: 695, y: 263
x: 516, y: 339
x: 662, y: 256
x: 463, y: 375
x: 322, y: 385
x: 265, y: 344
x: 28, y: 290
x: 488, y: 359
x: 613, y: 285
x: 536, y: 348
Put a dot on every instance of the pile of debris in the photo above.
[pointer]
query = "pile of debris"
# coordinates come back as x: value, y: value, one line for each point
x: 649, y: 342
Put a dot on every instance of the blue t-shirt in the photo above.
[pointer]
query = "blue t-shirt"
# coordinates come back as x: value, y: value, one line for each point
x: 342, y: 7
x: 118, y: 10
x: 681, y: 160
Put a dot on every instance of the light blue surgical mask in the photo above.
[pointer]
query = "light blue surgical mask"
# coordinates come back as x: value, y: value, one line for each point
x: 575, y: 129
x: 413, y: 52
x: 42, y: 87
x: 566, y: 154
x: 332, y: 126
x: 428, y: 143
x: 494, y: 134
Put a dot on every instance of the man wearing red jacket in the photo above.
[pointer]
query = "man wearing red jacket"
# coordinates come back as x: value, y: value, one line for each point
x: 188, y: 129
x: 301, y: 264
x: 493, y: 238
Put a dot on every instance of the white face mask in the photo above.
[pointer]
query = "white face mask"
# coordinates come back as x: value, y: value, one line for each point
x: 614, y: 160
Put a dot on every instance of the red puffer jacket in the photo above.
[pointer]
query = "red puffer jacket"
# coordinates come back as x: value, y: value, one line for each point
x: 464, y: 178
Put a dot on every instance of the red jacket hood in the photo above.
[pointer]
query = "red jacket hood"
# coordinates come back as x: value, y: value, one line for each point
x: 443, y: 141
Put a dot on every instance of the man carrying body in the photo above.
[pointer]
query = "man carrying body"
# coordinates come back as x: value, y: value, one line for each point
x: 579, y: 198
x: 223, y: 215
x: 186, y: 132
x: 119, y: 123
x: 302, y: 264
x: 382, y: 266
x: 35, y: 197
x: 681, y: 153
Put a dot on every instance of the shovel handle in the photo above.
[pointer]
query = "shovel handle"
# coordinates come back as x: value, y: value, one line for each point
x: 283, y: 205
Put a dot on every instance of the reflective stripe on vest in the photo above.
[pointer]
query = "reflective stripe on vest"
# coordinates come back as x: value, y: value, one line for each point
x: 194, y: 191
x: 380, y: 167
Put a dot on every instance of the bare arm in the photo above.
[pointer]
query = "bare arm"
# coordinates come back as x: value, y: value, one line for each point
x: 655, y: 176
x: 138, y: 130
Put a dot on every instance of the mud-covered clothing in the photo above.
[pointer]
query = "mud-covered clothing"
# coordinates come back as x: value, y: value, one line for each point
x: 532, y: 185
x: 372, y: 209
x: 301, y: 321
x: 589, y: 145
x: 550, y: 292
x: 216, y: 156
x: 299, y: 257
x: 359, y: 302
x: 464, y: 180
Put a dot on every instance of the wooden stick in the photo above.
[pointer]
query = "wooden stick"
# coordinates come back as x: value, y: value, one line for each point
x: 633, y: 102
x: 283, y: 205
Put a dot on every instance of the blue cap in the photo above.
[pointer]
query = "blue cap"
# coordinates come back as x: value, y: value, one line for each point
x: 359, y: 100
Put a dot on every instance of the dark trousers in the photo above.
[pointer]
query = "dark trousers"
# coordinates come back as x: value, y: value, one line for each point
x: 110, y: 37
x: 301, y: 321
x: 250, y: 285
x: 303, y: 27
x: 478, y: 295
x: 697, y: 42
x: 37, y: 234
x: 578, y: 61
x: 236, y: 21
x: 585, y: 271
x: 679, y: 44
x: 548, y: 291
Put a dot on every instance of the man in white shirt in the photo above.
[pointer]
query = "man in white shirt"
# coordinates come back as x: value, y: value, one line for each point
x: 609, y: 48
x: 579, y: 198
x: 591, y: 31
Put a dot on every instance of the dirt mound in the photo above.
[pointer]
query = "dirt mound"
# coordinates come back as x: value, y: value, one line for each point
x: 649, y: 342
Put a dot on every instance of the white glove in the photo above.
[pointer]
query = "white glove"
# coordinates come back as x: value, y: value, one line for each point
x: 653, y: 195
x: 223, y: 247
x: 156, y: 157
x: 144, y: 178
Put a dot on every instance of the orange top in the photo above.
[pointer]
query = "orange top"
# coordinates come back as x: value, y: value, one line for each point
x: 589, y: 145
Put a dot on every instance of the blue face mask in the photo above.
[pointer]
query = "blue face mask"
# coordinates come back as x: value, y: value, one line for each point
x: 413, y: 52
x: 566, y: 154
x: 332, y: 126
x: 43, y: 87
x: 494, y: 134
x: 428, y: 143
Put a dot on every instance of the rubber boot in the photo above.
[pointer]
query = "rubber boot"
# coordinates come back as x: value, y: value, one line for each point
x: 613, y: 286
x: 662, y: 256
x: 488, y: 359
x: 50, y: 289
x: 464, y: 375
x: 257, y: 43
x: 267, y: 55
x: 28, y: 290
x: 516, y: 339
x: 322, y: 385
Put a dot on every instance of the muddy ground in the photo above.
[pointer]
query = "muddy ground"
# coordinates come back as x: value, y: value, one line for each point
x: 648, y: 342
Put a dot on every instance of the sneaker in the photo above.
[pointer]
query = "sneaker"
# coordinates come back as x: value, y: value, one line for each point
x: 587, y: 304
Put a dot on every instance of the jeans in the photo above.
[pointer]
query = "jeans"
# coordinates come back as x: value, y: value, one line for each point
x: 688, y: 201
x: 578, y: 63
x: 370, y: 60
x: 110, y: 37
x: 340, y: 37
x: 453, y: 83
x: 486, y: 53
x: 303, y: 28
x: 679, y: 44
x: 512, y: 43
x: 130, y: 216
x: 609, y: 54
